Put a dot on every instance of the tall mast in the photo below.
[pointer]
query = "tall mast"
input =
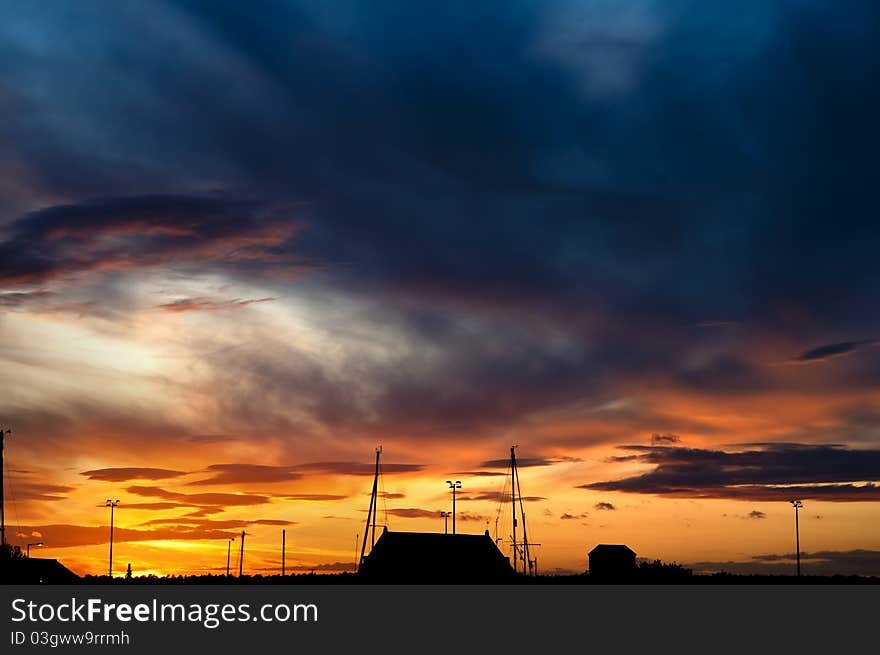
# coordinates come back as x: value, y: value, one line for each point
x: 370, y: 511
x: 522, y: 510
x: 513, y: 499
x: 376, y: 496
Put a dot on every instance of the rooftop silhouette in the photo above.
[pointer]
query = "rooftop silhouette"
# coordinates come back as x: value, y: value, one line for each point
x: 434, y: 557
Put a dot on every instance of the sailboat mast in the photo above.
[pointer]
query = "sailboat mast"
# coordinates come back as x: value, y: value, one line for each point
x: 376, y: 496
x: 373, y: 505
x: 525, y: 536
x: 513, y: 500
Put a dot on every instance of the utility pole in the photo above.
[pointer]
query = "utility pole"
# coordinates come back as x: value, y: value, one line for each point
x: 241, y: 555
x: 453, y: 485
x: 283, y: 549
x: 112, y: 504
x: 228, y: 553
x: 3, y: 434
x: 797, y: 537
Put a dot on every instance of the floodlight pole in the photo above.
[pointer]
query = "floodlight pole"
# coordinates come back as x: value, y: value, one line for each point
x: 241, y: 555
x: 112, y: 504
x: 228, y: 553
x: 453, y: 485
x: 3, y: 434
x: 797, y: 536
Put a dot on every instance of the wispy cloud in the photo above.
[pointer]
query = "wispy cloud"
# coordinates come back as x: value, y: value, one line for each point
x: 414, y: 513
x: 208, y: 304
x: 570, y: 517
x: 131, y: 473
x: 260, y: 473
x: 664, y: 439
x: 68, y: 535
x: 526, y: 462
x: 209, y: 499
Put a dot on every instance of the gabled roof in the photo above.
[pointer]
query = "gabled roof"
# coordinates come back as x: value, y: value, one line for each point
x: 424, y: 556
x: 616, y: 549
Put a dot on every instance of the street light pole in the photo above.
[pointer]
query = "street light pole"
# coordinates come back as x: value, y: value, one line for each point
x: 228, y: 552
x: 39, y: 543
x: 445, y: 516
x: 3, y: 434
x: 112, y: 504
x: 241, y: 556
x: 797, y: 536
x: 453, y: 485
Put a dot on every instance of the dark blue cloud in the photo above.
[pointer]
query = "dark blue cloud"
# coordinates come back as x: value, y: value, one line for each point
x: 821, y: 353
x: 775, y: 472
x: 621, y: 172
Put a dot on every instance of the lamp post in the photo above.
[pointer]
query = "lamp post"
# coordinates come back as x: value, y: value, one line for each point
x: 453, y: 485
x: 241, y: 556
x: 3, y: 434
x: 445, y: 517
x: 797, y: 537
x: 112, y: 504
x: 228, y: 551
x: 38, y: 544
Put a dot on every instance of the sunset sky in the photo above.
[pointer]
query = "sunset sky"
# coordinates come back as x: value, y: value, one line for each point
x: 242, y: 244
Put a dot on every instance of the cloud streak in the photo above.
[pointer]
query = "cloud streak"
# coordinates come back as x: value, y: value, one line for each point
x: 259, y: 473
x: 830, y: 351
x: 130, y: 233
x: 208, y: 304
x: 131, y: 473
x: 774, y: 473
x: 200, y: 499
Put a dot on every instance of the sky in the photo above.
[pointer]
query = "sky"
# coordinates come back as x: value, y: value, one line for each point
x: 242, y: 245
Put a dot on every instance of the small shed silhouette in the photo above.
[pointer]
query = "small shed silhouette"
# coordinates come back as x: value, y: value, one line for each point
x: 415, y: 557
x: 612, y: 561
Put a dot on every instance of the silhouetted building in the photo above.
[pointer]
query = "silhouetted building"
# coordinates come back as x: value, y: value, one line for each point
x: 35, y: 570
x: 609, y: 561
x: 404, y: 557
